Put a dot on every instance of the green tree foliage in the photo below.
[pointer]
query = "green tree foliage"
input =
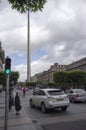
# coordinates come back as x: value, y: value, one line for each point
x: 2, y: 78
x: 31, y: 84
x: 13, y: 78
x: 25, y: 5
x: 68, y: 79
x: 77, y: 77
x: 60, y: 78
x: 51, y: 85
x: 39, y: 82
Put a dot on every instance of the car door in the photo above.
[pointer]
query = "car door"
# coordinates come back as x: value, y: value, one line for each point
x: 40, y: 97
x: 35, y: 97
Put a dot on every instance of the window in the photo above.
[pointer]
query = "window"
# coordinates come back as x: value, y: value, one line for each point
x: 70, y: 91
x: 56, y: 92
x: 35, y: 92
x: 42, y: 93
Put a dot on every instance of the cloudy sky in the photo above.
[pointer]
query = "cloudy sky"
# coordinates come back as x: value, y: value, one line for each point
x: 57, y: 35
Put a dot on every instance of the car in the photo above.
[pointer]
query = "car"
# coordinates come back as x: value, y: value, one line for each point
x: 76, y: 95
x: 49, y: 99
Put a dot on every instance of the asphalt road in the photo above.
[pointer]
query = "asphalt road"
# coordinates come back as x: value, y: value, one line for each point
x: 73, y: 119
x: 74, y: 125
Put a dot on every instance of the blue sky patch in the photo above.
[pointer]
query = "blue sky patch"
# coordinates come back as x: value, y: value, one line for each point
x: 38, y: 54
x: 16, y: 59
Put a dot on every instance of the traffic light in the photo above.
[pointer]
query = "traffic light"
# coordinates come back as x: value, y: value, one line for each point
x: 7, y: 65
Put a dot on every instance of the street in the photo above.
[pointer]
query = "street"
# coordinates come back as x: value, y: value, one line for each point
x: 74, y: 118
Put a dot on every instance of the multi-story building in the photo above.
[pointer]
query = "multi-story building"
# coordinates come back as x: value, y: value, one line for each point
x: 34, y: 78
x: 55, y: 68
x: 77, y: 65
x: 47, y: 76
x: 2, y: 57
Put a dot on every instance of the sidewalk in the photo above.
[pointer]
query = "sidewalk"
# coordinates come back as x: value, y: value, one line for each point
x: 15, y: 122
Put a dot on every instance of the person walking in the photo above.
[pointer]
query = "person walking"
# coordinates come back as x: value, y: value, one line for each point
x: 17, y: 104
x: 24, y: 91
x: 11, y: 98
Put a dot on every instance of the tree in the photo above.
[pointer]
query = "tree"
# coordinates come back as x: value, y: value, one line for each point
x: 25, y: 5
x: 14, y: 76
x: 60, y: 78
x: 2, y: 79
x: 70, y: 79
x: 77, y: 78
x: 31, y: 84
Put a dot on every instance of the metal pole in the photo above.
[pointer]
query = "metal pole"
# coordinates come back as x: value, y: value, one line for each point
x: 6, y: 103
x: 28, y: 50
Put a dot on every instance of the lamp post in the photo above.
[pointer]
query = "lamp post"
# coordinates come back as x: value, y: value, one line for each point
x: 28, y: 50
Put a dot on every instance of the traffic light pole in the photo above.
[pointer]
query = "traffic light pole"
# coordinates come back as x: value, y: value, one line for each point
x: 6, y: 102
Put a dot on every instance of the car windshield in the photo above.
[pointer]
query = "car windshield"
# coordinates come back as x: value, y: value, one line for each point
x: 56, y: 92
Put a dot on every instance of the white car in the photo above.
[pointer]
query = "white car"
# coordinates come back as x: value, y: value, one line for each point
x: 49, y: 99
x: 76, y: 95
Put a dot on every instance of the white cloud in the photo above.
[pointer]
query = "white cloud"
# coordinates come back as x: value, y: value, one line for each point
x: 22, y: 69
x: 40, y: 65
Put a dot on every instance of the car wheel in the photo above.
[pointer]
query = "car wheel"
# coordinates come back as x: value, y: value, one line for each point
x: 31, y: 104
x: 43, y: 108
x: 72, y: 100
x: 64, y: 108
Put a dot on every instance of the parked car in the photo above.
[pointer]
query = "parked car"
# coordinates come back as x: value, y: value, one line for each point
x: 49, y: 99
x: 76, y: 95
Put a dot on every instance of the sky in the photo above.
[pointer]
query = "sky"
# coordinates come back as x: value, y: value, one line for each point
x: 57, y: 35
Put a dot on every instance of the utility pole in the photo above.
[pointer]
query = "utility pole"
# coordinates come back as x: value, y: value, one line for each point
x: 28, y: 50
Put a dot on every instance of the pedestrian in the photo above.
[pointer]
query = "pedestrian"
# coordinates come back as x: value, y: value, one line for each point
x: 24, y: 91
x: 10, y: 102
x: 11, y: 98
x: 17, y: 104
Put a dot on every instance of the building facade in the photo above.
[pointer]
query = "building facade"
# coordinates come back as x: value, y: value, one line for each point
x: 2, y: 58
x: 77, y: 65
x: 47, y: 76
